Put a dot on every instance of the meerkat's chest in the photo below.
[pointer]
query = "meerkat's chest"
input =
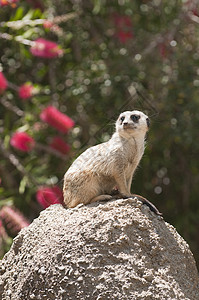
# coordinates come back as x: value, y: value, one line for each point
x: 134, y: 150
x: 133, y: 157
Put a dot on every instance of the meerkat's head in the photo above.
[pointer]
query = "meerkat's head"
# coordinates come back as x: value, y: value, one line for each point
x: 131, y: 123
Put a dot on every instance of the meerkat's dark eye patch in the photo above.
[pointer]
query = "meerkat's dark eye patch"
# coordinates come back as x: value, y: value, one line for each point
x: 135, y: 118
x: 122, y: 119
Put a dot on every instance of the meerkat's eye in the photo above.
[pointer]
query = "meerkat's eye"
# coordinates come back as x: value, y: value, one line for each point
x: 135, y: 118
x: 122, y: 118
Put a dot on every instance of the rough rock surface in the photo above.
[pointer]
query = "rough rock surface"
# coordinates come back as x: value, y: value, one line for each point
x: 113, y: 250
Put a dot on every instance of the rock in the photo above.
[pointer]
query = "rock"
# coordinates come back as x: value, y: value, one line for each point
x: 113, y: 250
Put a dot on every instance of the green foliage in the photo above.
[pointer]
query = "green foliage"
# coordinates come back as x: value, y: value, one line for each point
x: 118, y: 55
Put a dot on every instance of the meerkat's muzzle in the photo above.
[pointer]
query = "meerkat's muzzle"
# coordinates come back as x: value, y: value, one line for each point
x: 128, y: 126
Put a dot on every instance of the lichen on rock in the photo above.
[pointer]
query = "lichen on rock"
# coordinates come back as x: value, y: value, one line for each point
x: 112, y: 250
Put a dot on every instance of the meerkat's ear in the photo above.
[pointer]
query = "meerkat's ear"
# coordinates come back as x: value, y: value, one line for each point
x: 148, y: 122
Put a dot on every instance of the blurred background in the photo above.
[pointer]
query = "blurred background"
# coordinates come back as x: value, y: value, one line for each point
x: 67, y: 70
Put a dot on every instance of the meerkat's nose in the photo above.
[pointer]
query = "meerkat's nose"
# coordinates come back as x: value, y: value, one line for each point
x: 125, y: 123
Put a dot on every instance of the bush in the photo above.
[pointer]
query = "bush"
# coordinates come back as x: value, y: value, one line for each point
x: 68, y: 68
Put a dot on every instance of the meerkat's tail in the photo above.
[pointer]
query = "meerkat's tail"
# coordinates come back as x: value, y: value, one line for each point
x: 148, y: 203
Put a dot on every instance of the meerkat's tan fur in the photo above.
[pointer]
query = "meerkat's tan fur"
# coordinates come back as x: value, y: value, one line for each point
x: 98, y: 170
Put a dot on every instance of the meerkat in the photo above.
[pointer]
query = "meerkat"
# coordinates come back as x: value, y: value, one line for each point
x: 106, y: 170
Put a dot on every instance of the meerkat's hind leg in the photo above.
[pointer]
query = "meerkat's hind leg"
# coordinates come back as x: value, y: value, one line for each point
x: 101, y: 198
x: 117, y: 195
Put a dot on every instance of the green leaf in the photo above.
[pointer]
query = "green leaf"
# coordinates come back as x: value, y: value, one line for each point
x: 97, y: 6
x: 23, y: 185
x: 37, y: 14
x: 19, y: 14
x: 6, y: 201
x: 25, y: 51
x: 29, y: 15
x: 28, y: 33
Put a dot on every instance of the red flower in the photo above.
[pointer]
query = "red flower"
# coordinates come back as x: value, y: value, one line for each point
x: 59, y: 144
x: 124, y: 36
x: 26, y: 91
x: 22, y: 141
x: 48, y: 24
x: 163, y: 50
x: 56, y: 119
x: 44, y: 48
x: 36, y: 4
x: 13, y: 219
x: 47, y: 196
x: 8, y: 2
x: 123, y: 26
x: 195, y: 12
x: 3, y: 234
x: 3, y: 83
x: 122, y: 21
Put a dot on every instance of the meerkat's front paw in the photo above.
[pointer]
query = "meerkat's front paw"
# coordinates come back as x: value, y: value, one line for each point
x: 101, y: 198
